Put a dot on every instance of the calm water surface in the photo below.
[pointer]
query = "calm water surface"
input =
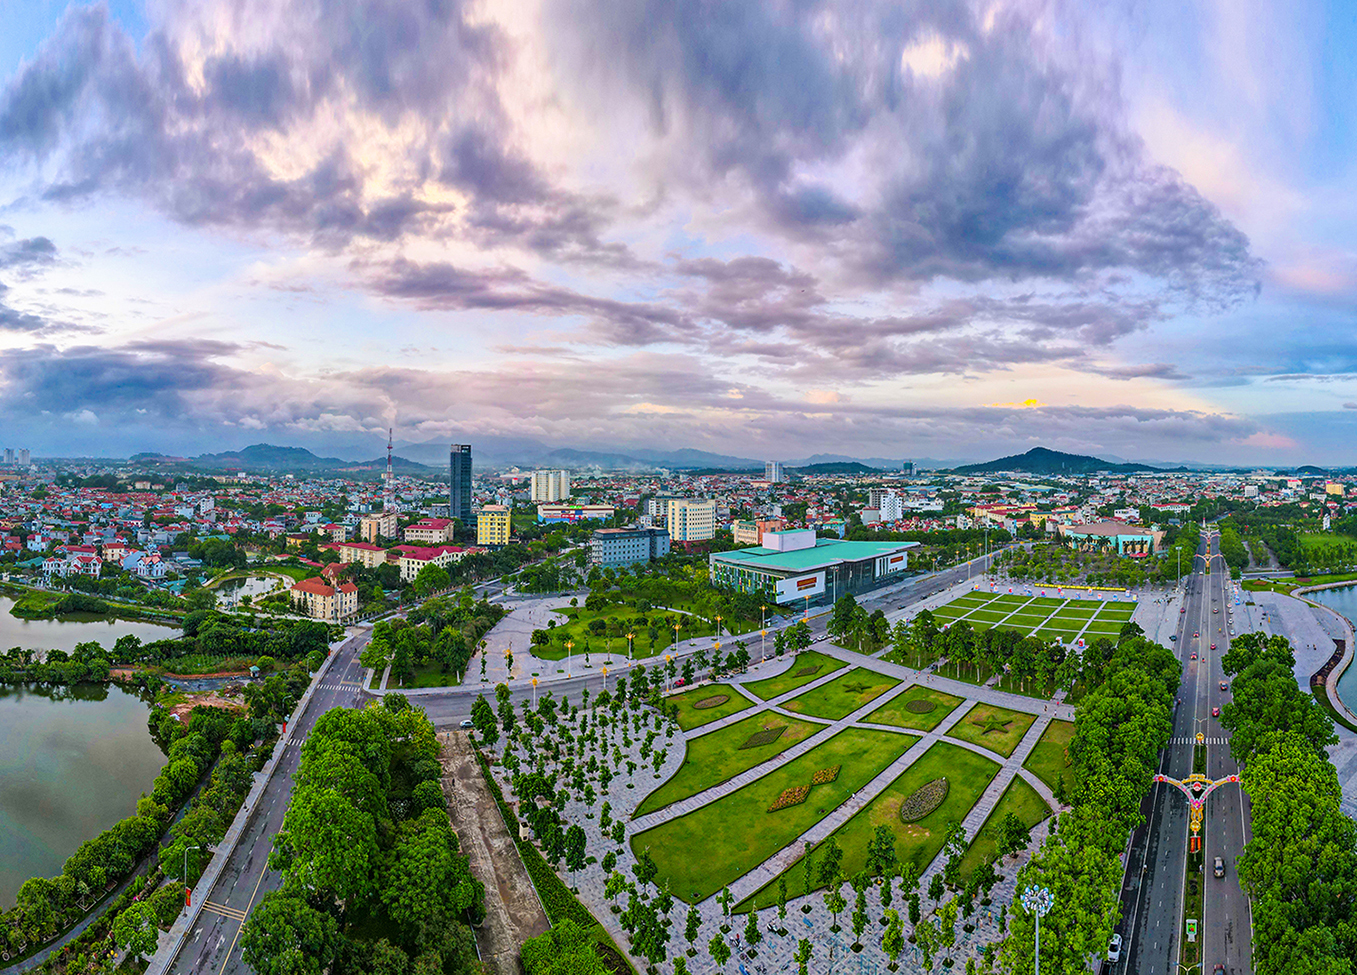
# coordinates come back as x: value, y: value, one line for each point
x: 64, y: 634
x: 74, y: 761
x: 1345, y: 601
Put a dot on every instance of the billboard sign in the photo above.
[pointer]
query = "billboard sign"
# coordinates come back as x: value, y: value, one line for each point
x: 800, y: 587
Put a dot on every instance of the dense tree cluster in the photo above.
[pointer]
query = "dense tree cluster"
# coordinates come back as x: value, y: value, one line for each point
x: 1300, y: 866
x: 445, y: 631
x: 372, y: 877
x: 1123, y: 722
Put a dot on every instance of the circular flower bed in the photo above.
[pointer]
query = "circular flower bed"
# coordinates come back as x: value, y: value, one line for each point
x: 715, y: 701
x: 920, y: 705
x: 925, y: 800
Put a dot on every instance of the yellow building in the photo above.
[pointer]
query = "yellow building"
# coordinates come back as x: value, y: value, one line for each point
x: 1333, y: 487
x: 492, y: 525
x: 690, y: 520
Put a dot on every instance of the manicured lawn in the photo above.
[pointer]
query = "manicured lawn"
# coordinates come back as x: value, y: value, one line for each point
x: 967, y: 776
x: 949, y: 613
x: 1049, y: 758
x: 896, y: 712
x: 690, y: 717
x: 1020, y: 799
x: 1048, y: 602
x: 988, y: 615
x: 843, y: 695
x: 574, y: 626
x: 995, y: 728
x: 712, y: 758
x: 793, y: 677
x: 1010, y: 599
x: 706, y: 849
x: 431, y: 675
x: 1078, y: 613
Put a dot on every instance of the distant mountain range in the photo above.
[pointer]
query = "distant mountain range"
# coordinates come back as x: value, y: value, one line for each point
x: 268, y: 457
x: 1042, y: 460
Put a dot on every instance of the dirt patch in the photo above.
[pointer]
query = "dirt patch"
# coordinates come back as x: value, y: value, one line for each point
x: 210, y: 699
x: 513, y: 914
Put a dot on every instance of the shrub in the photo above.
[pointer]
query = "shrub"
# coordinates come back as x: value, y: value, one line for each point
x: 825, y: 775
x: 765, y: 737
x: 920, y: 705
x: 924, y: 800
x: 807, y: 671
x: 790, y: 797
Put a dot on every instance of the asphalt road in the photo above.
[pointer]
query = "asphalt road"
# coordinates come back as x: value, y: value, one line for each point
x: 213, y: 946
x: 1152, y: 896
x: 447, y: 707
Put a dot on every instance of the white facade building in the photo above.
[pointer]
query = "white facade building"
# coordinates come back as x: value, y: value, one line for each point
x: 550, y: 485
x: 773, y: 473
x: 690, y: 520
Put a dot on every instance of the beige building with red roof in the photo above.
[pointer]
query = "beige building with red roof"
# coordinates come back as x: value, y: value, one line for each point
x: 322, y: 601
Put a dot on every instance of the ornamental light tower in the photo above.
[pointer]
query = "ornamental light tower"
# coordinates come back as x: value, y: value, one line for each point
x: 389, y: 489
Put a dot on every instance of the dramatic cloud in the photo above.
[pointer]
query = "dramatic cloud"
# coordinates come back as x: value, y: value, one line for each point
x: 630, y: 220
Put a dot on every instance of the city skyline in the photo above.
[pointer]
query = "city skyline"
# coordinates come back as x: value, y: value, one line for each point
x: 764, y: 232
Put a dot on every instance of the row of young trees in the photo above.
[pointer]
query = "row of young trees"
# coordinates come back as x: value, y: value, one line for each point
x: 367, y: 846
x: 1122, y: 724
x: 1300, y: 866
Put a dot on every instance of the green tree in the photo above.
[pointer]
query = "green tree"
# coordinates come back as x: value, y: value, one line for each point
x: 893, y: 937
x: 835, y: 902
x: 752, y: 934
x: 566, y: 949
x: 285, y: 936
x: 136, y: 929
x: 719, y: 951
x: 327, y: 844
x: 859, y: 913
x: 803, y: 955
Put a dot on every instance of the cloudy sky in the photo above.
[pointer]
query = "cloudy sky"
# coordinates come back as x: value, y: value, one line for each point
x: 777, y: 228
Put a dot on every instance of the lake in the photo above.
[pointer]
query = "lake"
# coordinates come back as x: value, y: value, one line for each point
x: 65, y: 633
x: 230, y: 592
x: 74, y: 762
x: 1344, y: 600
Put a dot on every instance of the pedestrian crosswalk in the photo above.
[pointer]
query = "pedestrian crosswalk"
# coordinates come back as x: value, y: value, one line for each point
x: 1189, y: 740
x: 295, y: 741
x: 343, y: 685
x: 231, y: 912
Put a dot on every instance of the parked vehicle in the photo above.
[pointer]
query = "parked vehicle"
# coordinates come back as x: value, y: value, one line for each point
x: 466, y: 723
x: 1114, y: 949
x: 1219, y: 868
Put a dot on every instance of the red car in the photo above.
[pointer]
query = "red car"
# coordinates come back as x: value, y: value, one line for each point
x: 1194, y: 654
x: 1215, y: 712
x: 1213, y: 646
x: 1195, y: 635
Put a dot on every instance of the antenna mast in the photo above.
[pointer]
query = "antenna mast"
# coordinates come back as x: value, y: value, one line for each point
x: 388, y: 494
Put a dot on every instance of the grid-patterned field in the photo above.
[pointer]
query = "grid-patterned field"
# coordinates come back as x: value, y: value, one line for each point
x: 1046, y: 617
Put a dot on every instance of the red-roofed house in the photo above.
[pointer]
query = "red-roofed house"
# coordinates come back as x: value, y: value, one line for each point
x: 364, y: 553
x: 430, y: 531
x: 412, y: 560
x: 322, y: 601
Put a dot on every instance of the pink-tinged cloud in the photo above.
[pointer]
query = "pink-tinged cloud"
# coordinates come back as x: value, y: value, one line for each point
x: 1269, y: 441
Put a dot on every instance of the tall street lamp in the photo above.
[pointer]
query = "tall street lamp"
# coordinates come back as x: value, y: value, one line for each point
x: 763, y: 634
x: 1037, y: 901
x: 188, y: 893
x: 569, y: 648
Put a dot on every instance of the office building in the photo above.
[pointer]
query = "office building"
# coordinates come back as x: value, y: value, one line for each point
x: 690, y: 520
x: 550, y: 485
x: 430, y: 531
x: 459, y: 485
x: 751, y: 532
x: 492, y: 525
x: 627, y: 546
x: 796, y: 566
x: 772, y: 472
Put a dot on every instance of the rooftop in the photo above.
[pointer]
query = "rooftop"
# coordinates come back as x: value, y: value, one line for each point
x: 827, y: 551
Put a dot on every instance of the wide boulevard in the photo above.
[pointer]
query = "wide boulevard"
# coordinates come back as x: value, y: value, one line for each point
x: 1152, y: 898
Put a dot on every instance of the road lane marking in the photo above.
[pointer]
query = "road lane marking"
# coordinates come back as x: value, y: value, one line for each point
x: 224, y: 911
x: 248, y: 905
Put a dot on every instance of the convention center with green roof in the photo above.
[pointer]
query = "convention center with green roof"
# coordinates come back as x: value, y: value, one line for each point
x: 796, y: 565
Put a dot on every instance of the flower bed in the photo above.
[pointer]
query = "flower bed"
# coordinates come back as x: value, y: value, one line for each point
x: 925, y: 799
x: 790, y: 797
x: 807, y: 671
x: 715, y: 701
x: 825, y: 775
x: 920, y: 705
x: 765, y: 737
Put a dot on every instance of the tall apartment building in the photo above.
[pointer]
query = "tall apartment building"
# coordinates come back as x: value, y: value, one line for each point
x: 24, y: 458
x: 690, y: 520
x: 773, y: 473
x: 492, y: 525
x: 9, y: 455
x: 887, y: 502
x: 379, y: 524
x: 550, y: 485
x: 459, y: 484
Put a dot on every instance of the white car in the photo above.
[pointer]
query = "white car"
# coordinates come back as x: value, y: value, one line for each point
x: 1114, y: 949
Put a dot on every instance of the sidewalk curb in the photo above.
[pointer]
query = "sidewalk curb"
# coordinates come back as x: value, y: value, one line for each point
x: 166, y: 954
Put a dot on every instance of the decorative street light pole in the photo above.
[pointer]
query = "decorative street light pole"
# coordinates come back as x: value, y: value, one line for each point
x: 676, y: 629
x: 630, y: 654
x: 605, y: 679
x: 534, y: 693
x: 188, y: 893
x: 569, y: 649
x: 763, y: 634
x: 1037, y: 901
